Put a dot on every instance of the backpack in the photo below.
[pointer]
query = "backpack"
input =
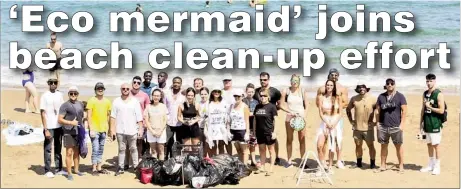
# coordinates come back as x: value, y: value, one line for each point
x: 302, y: 95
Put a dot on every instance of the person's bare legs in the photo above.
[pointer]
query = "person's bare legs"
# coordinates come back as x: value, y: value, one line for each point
x: 289, y: 132
x: 399, y: 149
x: 69, y: 153
x: 229, y: 148
x: 160, y: 151
x: 27, y: 108
x: 271, y: 149
x: 320, y: 148
x: 195, y: 141
x: 76, y: 157
x: 153, y: 149
x: 262, y: 154
x: 221, y: 145
x: 253, y: 154
x: 383, y: 157
x: 372, y: 153
x: 302, y: 142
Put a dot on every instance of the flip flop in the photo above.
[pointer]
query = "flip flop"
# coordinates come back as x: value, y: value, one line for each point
x: 401, y: 171
x: 103, y: 171
x: 95, y: 173
x: 380, y: 170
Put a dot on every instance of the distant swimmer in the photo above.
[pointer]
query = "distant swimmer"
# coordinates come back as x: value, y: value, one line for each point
x: 138, y: 8
x: 253, y: 3
x: 207, y: 4
x: 229, y: 1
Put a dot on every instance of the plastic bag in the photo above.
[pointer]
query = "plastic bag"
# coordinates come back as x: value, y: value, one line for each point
x: 146, y: 175
x: 147, y: 162
x: 232, y: 168
x: 191, y: 167
x: 212, y: 176
x: 81, y: 141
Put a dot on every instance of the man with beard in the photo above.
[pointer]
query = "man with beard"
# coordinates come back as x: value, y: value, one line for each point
x: 173, y: 98
x: 333, y: 74
x: 49, y: 106
x: 147, y: 86
x: 144, y: 101
x: 363, y: 124
x: 275, y: 95
x: 126, y: 126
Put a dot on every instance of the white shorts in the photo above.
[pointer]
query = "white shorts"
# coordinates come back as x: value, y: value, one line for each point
x: 152, y: 139
x: 434, y: 138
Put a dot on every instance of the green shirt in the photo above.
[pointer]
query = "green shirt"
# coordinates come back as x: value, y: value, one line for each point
x: 432, y: 120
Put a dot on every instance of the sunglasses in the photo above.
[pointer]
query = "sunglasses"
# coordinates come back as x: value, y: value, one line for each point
x: 137, y: 82
x: 236, y: 96
x: 73, y: 93
x: 263, y: 96
x: 100, y: 89
x: 125, y: 89
x: 52, y: 82
x: 263, y: 79
x: 390, y: 83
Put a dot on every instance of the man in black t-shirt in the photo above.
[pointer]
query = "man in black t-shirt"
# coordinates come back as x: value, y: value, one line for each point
x: 274, y: 98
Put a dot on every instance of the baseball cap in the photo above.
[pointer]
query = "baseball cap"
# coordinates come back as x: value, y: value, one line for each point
x: 237, y: 92
x: 333, y: 70
x: 99, y: 85
x: 390, y: 79
x: 216, y: 88
x: 227, y: 77
x: 73, y: 88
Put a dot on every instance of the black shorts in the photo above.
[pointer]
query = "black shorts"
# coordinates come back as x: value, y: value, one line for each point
x: 265, y: 139
x: 57, y: 65
x: 238, y: 135
x: 192, y: 131
x: 70, y: 141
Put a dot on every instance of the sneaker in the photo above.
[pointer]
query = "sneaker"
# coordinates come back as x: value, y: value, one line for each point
x: 330, y: 170
x: 70, y: 177
x: 119, y: 172
x: 49, y: 174
x: 61, y: 172
x: 436, y: 170
x: 340, y: 165
x: 430, y: 167
x: 126, y: 167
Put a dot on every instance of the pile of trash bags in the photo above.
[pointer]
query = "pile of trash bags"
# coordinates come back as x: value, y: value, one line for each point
x: 198, y: 172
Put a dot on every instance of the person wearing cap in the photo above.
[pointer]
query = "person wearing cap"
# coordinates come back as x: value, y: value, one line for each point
x: 274, y: 96
x: 239, y: 118
x: 126, y: 126
x: 228, y: 97
x: 50, y: 103
x: 363, y: 122
x: 431, y: 123
x: 216, y: 129
x: 147, y: 86
x: 71, y: 117
x: 392, y: 110
x: 98, y: 110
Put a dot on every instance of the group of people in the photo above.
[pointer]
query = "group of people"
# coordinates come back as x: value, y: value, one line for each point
x: 147, y: 118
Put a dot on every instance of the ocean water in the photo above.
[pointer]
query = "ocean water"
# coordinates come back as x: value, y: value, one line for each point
x: 436, y: 21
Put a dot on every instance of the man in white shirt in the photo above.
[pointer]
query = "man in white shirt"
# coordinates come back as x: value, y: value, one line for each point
x: 173, y: 99
x: 126, y: 126
x: 50, y: 102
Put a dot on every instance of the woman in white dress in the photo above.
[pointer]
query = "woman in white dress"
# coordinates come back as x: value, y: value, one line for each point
x: 216, y: 129
x: 330, y: 107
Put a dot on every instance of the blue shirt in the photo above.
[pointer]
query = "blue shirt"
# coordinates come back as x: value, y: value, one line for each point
x: 148, y: 89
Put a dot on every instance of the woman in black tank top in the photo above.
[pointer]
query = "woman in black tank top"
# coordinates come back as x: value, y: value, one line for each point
x: 189, y: 116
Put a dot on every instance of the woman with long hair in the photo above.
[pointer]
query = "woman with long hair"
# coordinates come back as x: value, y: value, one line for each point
x: 155, y: 117
x: 265, y: 113
x: 189, y: 116
x: 203, y: 109
x: 28, y: 84
x: 240, y: 124
x: 330, y: 107
x: 216, y: 128
x: 295, y: 103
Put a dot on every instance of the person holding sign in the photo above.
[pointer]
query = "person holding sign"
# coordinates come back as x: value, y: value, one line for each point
x: 295, y: 105
x: 216, y: 129
x: 71, y: 117
x: 432, y: 119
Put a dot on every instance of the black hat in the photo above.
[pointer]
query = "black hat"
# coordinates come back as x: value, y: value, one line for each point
x: 99, y: 85
x: 357, y: 89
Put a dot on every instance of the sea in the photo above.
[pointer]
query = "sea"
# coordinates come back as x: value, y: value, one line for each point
x: 435, y: 22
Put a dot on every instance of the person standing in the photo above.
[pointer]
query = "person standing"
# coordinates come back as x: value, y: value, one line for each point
x: 189, y: 116
x: 228, y: 98
x: 198, y: 85
x: 265, y: 114
x: 295, y: 105
x: 239, y: 117
x: 147, y: 86
x: 432, y: 118
x: 173, y: 98
x: 50, y: 103
x: 203, y: 109
x: 28, y: 84
x: 216, y: 130
x: 155, y: 117
x: 162, y: 77
x: 56, y: 47
x: 126, y: 126
x: 98, y: 123
x: 274, y: 96
x: 392, y: 111
x: 363, y: 123
x: 251, y: 103
x: 138, y: 8
x: 71, y: 117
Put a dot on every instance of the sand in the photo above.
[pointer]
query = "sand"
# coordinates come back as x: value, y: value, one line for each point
x: 22, y: 166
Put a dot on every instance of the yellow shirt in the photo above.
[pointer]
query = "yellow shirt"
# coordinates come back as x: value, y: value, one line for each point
x: 363, y: 111
x: 99, y: 113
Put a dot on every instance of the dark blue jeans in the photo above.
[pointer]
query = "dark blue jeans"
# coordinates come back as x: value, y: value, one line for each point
x: 56, y: 141
x: 97, y: 144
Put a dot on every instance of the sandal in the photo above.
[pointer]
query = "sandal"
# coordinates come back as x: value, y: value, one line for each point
x: 103, y: 171
x: 269, y: 173
x: 95, y: 173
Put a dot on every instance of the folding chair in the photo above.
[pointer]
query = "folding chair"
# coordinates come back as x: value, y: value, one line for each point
x: 196, y: 150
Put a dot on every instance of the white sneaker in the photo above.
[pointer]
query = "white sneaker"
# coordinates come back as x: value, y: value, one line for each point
x: 49, y: 174
x: 436, y: 170
x: 340, y: 165
x: 430, y: 167
x: 62, y: 173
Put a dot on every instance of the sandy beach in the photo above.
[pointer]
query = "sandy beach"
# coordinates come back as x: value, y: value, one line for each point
x: 22, y: 166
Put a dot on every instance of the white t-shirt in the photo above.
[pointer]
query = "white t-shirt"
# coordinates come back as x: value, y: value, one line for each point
x: 173, y: 104
x: 50, y: 102
x: 218, y: 117
x: 228, y: 97
x: 126, y: 114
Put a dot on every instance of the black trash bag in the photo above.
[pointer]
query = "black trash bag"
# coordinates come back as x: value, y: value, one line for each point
x: 147, y: 162
x: 172, y: 171
x: 232, y: 168
x: 212, y: 176
x: 192, y: 165
x: 242, y: 169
